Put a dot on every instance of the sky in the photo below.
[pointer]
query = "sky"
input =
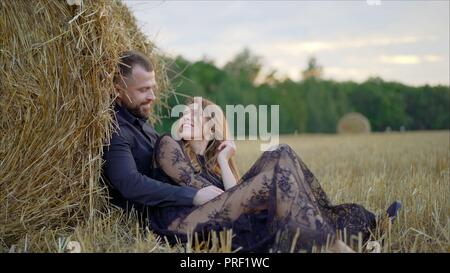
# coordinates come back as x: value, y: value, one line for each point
x: 404, y: 41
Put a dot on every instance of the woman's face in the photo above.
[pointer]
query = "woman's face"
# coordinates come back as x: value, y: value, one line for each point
x: 192, y: 122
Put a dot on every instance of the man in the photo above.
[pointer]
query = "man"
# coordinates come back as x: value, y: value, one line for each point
x: 128, y: 158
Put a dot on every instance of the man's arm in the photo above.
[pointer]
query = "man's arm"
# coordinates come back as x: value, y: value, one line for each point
x: 123, y: 175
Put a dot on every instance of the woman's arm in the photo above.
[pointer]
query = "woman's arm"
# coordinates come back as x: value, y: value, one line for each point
x: 228, y: 178
x: 228, y: 148
x: 174, y: 162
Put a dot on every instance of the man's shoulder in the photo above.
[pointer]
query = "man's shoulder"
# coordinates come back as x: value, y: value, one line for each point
x: 124, y: 128
x: 121, y: 120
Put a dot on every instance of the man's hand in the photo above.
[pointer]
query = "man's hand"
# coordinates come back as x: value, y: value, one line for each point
x: 206, y: 194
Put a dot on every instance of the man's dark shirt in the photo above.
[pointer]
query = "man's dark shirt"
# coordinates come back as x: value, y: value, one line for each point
x: 128, y: 167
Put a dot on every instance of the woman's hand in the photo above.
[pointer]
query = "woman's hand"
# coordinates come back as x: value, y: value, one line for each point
x: 227, y: 150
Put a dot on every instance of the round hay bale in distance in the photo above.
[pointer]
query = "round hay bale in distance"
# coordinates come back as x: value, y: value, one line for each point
x: 353, y: 123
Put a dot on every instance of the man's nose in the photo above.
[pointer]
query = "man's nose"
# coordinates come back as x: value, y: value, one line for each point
x: 150, y: 96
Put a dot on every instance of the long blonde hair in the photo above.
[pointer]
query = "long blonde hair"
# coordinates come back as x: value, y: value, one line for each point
x: 211, y: 151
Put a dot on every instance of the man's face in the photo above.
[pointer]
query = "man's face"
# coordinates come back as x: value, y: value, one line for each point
x: 137, y: 92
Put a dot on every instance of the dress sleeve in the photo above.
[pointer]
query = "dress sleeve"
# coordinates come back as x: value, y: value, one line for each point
x: 121, y: 172
x: 170, y: 157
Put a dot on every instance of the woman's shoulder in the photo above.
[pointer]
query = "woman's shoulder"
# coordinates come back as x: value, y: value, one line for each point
x: 167, y: 139
x: 166, y: 145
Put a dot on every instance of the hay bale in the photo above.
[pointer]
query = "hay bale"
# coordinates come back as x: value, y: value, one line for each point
x: 56, y: 67
x: 353, y: 123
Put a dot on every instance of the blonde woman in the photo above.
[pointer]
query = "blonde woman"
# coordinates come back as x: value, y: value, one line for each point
x: 278, y: 205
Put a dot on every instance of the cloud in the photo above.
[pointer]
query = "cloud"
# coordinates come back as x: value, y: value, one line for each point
x: 400, y: 59
x: 297, y: 47
x: 347, y: 73
x: 409, y: 59
x: 433, y: 58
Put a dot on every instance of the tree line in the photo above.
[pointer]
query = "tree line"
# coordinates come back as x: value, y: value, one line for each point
x: 313, y: 104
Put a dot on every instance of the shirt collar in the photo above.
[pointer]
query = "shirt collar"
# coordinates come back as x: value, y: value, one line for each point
x: 122, y: 111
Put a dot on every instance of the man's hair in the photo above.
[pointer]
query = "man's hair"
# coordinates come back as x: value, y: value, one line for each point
x: 127, y: 60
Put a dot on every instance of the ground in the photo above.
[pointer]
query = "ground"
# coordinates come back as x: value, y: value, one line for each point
x: 376, y: 169
x: 372, y: 170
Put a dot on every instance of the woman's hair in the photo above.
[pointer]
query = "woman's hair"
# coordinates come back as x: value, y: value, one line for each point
x: 221, y: 133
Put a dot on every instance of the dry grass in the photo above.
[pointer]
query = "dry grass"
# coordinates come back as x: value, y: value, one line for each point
x: 372, y: 170
x: 378, y: 168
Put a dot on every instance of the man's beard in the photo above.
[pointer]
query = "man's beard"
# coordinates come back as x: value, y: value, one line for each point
x: 138, y: 111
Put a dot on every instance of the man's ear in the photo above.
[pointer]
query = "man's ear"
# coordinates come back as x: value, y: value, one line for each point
x: 118, y: 90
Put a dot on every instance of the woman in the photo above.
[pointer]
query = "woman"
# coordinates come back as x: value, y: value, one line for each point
x: 278, y: 205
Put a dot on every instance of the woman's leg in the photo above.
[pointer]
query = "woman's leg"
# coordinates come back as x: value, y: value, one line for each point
x: 354, y: 218
x: 275, y: 183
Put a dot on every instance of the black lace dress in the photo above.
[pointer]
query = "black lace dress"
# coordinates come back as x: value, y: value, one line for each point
x: 276, y: 202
